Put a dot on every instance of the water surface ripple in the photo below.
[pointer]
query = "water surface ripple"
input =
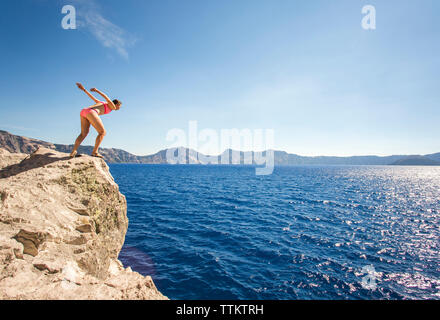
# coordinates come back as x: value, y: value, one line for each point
x: 221, y: 232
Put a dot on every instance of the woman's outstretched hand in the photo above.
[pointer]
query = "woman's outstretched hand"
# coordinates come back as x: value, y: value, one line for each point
x: 80, y: 86
x: 94, y: 90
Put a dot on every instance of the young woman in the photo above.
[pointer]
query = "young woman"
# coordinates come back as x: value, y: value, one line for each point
x: 90, y: 116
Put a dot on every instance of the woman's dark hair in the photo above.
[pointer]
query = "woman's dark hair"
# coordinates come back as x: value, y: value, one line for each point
x: 117, y: 102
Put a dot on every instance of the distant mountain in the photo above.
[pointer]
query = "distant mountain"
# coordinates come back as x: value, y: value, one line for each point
x: 434, y: 156
x: 110, y: 154
x: 284, y: 158
x: 416, y: 161
x: 19, y: 144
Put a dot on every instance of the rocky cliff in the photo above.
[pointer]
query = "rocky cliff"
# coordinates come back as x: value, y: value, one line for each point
x: 62, y: 225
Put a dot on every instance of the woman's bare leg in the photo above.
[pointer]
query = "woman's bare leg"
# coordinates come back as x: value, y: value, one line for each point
x: 96, y: 122
x: 85, y: 126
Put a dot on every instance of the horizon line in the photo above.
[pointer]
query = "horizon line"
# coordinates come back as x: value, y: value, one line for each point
x: 305, y: 156
x: 296, y: 154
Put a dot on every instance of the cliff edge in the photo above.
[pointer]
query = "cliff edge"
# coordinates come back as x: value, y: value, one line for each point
x: 62, y: 225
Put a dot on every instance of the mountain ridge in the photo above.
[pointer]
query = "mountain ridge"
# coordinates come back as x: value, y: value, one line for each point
x: 19, y: 144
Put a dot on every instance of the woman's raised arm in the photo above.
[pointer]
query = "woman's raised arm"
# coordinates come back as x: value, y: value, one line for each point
x: 81, y: 87
x: 109, y: 102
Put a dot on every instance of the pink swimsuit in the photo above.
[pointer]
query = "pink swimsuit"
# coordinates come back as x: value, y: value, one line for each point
x: 86, y: 111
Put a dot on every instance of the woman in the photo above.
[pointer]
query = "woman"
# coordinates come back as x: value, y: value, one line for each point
x: 90, y: 116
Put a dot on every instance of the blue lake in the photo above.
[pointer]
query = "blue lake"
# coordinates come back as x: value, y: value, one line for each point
x: 312, y: 232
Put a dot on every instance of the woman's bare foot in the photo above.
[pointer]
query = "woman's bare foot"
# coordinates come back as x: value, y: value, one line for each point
x: 97, y: 155
x: 73, y: 154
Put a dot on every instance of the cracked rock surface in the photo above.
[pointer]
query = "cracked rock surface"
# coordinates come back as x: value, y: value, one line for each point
x: 62, y: 225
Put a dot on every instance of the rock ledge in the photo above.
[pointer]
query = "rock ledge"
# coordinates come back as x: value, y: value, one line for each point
x: 62, y: 225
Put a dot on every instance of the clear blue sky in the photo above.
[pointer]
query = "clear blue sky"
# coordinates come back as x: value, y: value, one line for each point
x: 303, y: 68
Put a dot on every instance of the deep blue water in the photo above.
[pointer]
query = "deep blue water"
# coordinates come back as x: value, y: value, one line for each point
x: 221, y: 232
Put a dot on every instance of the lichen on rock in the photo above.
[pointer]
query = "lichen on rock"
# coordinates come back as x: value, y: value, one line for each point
x: 62, y: 225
